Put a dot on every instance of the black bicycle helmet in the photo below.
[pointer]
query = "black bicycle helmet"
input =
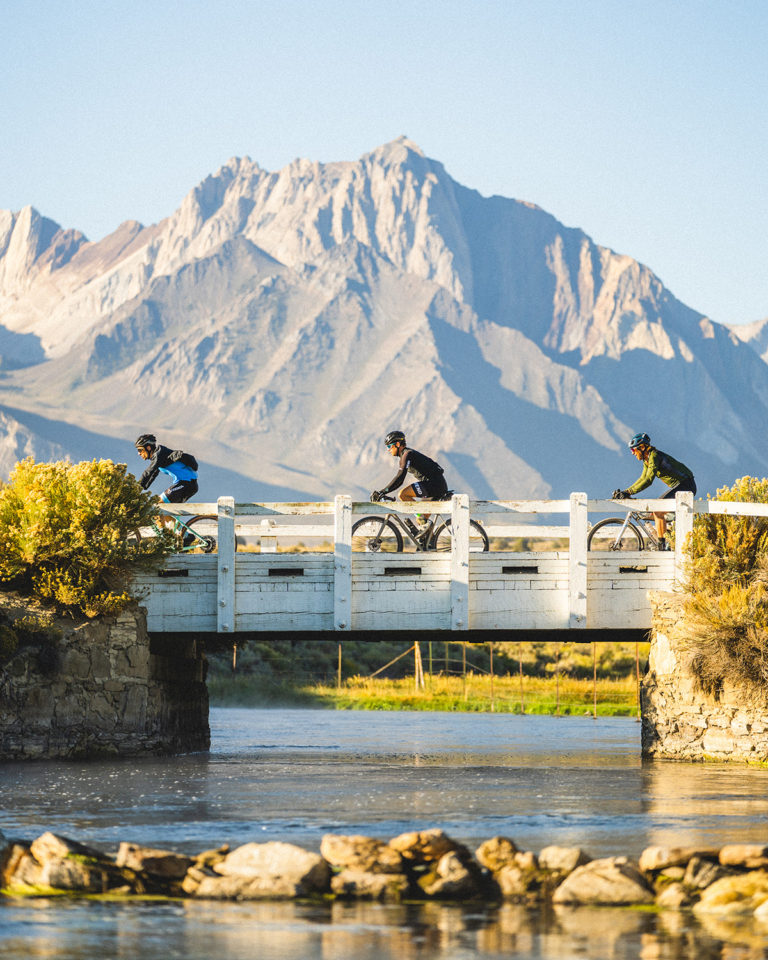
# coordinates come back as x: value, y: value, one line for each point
x: 146, y: 440
x: 639, y: 440
x: 393, y: 437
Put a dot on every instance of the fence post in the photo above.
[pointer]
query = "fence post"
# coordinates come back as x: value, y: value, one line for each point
x: 342, y: 563
x: 577, y: 562
x: 460, y: 562
x: 225, y: 596
x: 683, y: 527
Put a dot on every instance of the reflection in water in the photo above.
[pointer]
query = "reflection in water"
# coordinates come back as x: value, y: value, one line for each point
x: 362, y: 931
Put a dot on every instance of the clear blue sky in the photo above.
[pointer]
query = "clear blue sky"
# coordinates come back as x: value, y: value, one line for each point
x: 644, y: 123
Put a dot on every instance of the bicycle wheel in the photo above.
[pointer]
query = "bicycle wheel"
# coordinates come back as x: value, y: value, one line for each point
x: 442, y: 538
x: 608, y: 535
x: 376, y: 535
x: 198, y: 534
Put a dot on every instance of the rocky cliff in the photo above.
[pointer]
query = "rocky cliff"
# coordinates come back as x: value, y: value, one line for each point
x: 278, y: 323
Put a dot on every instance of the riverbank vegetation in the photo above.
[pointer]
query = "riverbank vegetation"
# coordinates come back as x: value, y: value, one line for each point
x: 726, y: 601
x: 67, y: 534
x: 533, y: 677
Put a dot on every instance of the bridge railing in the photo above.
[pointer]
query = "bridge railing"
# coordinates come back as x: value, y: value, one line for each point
x: 554, y: 587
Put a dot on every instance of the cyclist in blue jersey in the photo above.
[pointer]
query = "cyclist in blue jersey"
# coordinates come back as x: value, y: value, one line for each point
x: 181, y: 468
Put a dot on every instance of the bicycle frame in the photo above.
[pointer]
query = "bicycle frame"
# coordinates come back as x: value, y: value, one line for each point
x: 182, y: 532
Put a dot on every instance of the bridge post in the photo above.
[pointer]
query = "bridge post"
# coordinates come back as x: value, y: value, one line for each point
x: 460, y: 562
x: 342, y: 563
x: 225, y: 589
x: 683, y: 526
x: 577, y: 562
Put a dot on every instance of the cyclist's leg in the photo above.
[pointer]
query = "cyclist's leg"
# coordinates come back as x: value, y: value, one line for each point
x: 661, y: 518
x: 180, y: 492
x: 423, y: 490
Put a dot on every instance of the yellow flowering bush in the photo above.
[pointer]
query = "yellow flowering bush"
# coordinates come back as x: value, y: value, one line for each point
x: 67, y: 533
x: 726, y: 601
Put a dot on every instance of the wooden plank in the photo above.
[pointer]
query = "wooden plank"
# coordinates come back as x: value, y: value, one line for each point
x: 460, y: 562
x: 727, y: 508
x: 577, y: 562
x: 342, y: 564
x: 226, y: 612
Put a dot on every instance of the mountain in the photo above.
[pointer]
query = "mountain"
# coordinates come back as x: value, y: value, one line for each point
x: 278, y: 324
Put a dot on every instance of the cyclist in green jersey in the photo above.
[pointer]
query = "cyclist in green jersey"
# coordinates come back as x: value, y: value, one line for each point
x: 657, y: 464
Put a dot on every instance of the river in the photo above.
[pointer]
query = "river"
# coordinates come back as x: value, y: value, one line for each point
x: 294, y: 775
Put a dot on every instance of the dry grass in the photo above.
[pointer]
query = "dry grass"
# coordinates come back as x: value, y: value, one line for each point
x: 726, y: 605
x: 481, y: 693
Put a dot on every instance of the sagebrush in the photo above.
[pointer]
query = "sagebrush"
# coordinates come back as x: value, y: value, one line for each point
x: 66, y: 533
x: 726, y: 604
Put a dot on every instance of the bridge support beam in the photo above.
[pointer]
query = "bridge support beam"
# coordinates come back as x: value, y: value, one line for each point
x: 342, y: 563
x: 577, y: 563
x: 225, y: 607
x: 460, y: 562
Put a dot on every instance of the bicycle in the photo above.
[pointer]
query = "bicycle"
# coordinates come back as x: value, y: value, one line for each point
x: 633, y: 532
x: 384, y: 534
x: 193, y: 534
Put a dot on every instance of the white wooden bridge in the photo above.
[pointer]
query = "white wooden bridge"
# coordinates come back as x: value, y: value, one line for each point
x: 263, y: 588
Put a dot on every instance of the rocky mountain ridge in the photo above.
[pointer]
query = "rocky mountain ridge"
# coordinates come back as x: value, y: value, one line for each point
x: 277, y: 324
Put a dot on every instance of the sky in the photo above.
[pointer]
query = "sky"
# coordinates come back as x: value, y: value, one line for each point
x: 644, y: 123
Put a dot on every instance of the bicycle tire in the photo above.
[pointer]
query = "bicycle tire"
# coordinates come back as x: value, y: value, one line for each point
x: 204, y: 527
x: 442, y: 539
x: 376, y: 535
x: 631, y: 539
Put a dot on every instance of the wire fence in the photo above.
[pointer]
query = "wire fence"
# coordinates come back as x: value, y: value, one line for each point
x: 524, y: 677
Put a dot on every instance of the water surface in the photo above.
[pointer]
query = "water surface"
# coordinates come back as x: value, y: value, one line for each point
x: 296, y: 774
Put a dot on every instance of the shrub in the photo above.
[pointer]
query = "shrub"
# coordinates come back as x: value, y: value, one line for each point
x: 726, y: 604
x: 66, y: 533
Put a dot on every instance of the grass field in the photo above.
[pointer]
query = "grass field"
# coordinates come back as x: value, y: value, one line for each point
x: 475, y: 693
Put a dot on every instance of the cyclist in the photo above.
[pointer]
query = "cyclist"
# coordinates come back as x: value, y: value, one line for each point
x: 430, y: 483
x: 181, y: 468
x: 658, y: 464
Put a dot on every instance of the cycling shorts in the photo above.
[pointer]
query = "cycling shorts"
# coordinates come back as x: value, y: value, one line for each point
x: 430, y: 489
x: 180, y: 491
x: 682, y: 486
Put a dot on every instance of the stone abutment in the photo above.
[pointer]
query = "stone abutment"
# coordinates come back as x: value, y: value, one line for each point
x: 680, y: 721
x: 99, y: 688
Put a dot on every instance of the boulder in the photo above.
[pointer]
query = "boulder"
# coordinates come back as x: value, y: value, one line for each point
x: 653, y: 859
x: 739, y: 895
x: 674, y: 897
x: 749, y: 856
x: 194, y: 877
x: 562, y: 859
x: 454, y: 877
x: 424, y: 846
x: 248, y: 888
x: 51, y: 846
x: 612, y: 880
x: 71, y: 874
x: 21, y: 869
x: 360, y: 854
x: 208, y: 857
x: 158, y: 863
x: 703, y: 873
x: 364, y: 885
x: 275, y: 866
x: 495, y: 853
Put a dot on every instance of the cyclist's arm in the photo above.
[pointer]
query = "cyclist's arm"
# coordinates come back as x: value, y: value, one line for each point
x: 148, y: 477
x: 646, y: 477
x: 397, y: 480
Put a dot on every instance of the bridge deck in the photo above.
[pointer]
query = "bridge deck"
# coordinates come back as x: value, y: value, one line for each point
x: 336, y: 589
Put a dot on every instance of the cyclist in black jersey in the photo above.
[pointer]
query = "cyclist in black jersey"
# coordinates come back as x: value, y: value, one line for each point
x: 429, y: 480
x: 181, y: 468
